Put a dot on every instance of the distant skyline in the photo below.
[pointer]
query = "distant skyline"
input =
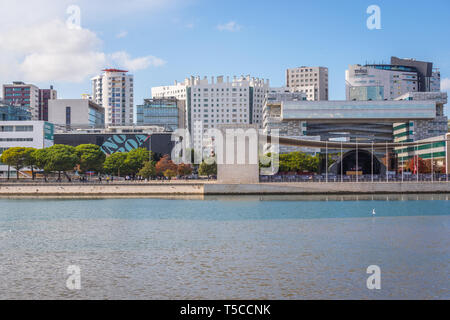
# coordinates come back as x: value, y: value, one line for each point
x: 160, y: 41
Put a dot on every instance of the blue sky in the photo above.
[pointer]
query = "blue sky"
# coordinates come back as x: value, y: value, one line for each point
x: 260, y: 38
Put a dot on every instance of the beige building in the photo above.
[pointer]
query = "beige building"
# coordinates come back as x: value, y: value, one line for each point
x: 312, y: 81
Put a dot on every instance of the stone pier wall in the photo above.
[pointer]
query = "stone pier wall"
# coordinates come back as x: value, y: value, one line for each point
x: 175, y: 189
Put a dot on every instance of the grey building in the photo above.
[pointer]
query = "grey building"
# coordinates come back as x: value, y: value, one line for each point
x: 273, y: 123
x: 76, y: 112
x: 429, y: 78
x: 362, y: 121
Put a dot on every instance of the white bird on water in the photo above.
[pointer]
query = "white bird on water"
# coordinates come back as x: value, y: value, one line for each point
x: 373, y: 212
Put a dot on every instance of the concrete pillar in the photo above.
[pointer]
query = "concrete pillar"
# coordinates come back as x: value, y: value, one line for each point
x: 238, y: 160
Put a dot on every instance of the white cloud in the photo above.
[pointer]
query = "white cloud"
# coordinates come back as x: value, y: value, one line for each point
x: 122, y: 59
x: 50, y: 51
x: 231, y: 26
x: 121, y: 34
x: 445, y: 84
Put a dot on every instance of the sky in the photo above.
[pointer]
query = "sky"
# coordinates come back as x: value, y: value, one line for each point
x: 160, y: 41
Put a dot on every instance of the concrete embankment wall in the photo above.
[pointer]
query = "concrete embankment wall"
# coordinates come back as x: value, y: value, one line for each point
x: 175, y: 189
x: 111, y: 190
x: 328, y: 188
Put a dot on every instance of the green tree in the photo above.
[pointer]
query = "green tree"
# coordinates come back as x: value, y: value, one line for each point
x: 116, y: 163
x: 15, y: 157
x: 298, y: 161
x: 136, y: 159
x: 61, y: 158
x: 169, y: 173
x: 207, y: 169
x: 91, y: 157
x: 30, y: 160
x: 148, y: 170
x: 41, y: 159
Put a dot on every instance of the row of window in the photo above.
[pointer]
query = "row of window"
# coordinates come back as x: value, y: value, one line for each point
x: 16, y: 128
x: 15, y: 139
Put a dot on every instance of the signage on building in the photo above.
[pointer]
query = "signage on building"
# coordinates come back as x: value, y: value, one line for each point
x: 123, y: 143
x: 49, y: 131
x: 360, y: 71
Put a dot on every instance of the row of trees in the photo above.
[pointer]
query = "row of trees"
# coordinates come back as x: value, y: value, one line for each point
x: 417, y: 164
x: 90, y: 158
x: 298, y: 162
x: 57, y: 158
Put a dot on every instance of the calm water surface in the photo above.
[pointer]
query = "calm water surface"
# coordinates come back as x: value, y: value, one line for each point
x: 226, y: 248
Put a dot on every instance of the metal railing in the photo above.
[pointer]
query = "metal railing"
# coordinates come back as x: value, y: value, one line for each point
x: 354, y: 178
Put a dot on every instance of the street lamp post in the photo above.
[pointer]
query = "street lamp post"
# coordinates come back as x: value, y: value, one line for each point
x: 371, y: 163
x: 387, y: 164
x: 356, y: 169
x: 432, y: 163
x: 417, y: 161
x: 403, y: 165
x: 326, y: 161
x: 342, y: 166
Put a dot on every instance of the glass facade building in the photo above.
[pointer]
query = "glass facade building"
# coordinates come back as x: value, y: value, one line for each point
x: 159, y: 112
x: 366, y: 93
x: 13, y: 113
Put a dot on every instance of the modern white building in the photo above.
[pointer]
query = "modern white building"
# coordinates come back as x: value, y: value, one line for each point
x: 114, y: 91
x: 219, y: 101
x: 390, y: 81
x: 34, y: 134
x: 313, y: 81
x: 379, y: 82
x: 76, y: 113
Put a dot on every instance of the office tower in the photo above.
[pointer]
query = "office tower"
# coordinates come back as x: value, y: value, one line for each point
x: 210, y: 103
x: 168, y: 113
x: 313, y: 81
x: 44, y: 96
x: 24, y: 95
x: 429, y: 78
x: 390, y: 81
x: 113, y: 90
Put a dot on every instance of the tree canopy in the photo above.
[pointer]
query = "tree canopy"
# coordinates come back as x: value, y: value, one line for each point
x: 165, y: 164
x: 116, y: 163
x: 91, y: 157
x: 16, y: 157
x: 136, y: 159
x: 148, y: 170
x: 184, y: 169
x: 61, y: 158
x: 207, y: 169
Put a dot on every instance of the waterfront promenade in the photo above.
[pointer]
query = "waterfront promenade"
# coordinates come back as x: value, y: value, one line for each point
x: 205, y: 187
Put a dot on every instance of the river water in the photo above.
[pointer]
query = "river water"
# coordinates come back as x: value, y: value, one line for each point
x: 292, y: 247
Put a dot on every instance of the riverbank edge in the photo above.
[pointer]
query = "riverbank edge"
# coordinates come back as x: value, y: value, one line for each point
x: 177, y: 189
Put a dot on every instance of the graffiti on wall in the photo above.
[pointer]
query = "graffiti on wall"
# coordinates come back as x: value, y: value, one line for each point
x: 123, y: 143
